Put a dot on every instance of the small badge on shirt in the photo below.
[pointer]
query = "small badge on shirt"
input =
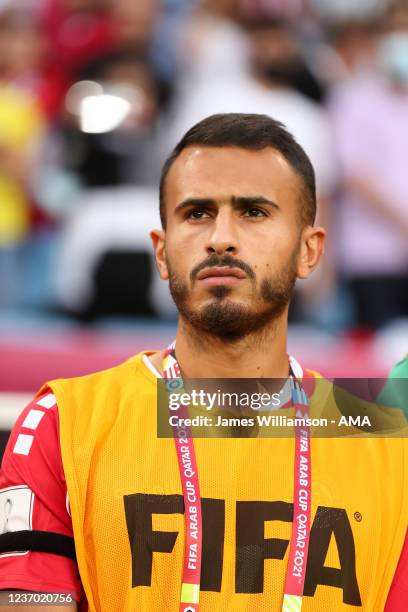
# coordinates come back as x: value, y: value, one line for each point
x: 16, y: 511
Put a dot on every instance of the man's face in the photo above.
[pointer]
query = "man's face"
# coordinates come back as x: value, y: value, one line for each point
x: 232, y: 241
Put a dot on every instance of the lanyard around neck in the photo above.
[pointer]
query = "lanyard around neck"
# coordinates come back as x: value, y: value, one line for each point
x: 299, y: 543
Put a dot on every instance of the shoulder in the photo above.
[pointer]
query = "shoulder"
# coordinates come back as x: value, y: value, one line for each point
x: 97, y: 399
x: 32, y: 459
x: 132, y: 370
x: 38, y: 421
x: 400, y: 370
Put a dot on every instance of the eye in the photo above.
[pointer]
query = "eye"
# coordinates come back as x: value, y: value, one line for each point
x: 255, y: 212
x: 196, y: 214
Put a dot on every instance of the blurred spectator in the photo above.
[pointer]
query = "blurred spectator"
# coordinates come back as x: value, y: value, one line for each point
x: 151, y: 29
x: 80, y: 32
x: 21, y: 127
x: 166, y: 40
x: 106, y: 265
x: 77, y: 32
x: 25, y: 54
x: 213, y: 45
x: 351, y: 50
x: 110, y: 130
x: 259, y: 72
x: 110, y: 152
x: 134, y: 23
x: 278, y: 59
x: 370, y: 121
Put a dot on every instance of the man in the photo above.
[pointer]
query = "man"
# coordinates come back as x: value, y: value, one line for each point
x: 371, y: 212
x: 237, y: 209
x: 270, y: 69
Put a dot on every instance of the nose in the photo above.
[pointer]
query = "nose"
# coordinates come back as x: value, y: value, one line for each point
x: 223, y: 237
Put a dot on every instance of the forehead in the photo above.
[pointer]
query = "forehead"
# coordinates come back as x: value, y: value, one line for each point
x: 219, y: 172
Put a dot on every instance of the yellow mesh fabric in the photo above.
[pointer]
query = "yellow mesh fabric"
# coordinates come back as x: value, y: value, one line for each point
x: 110, y: 450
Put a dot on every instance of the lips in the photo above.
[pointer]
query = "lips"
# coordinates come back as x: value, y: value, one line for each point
x: 219, y: 272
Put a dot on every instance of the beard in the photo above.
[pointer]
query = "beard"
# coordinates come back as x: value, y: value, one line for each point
x: 228, y: 319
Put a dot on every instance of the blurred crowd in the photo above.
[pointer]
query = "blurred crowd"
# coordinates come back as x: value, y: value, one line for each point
x: 95, y: 93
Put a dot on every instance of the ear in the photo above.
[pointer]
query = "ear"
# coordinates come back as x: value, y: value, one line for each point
x: 158, y: 240
x: 311, y: 249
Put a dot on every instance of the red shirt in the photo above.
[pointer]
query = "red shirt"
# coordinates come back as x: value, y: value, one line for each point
x: 33, y: 476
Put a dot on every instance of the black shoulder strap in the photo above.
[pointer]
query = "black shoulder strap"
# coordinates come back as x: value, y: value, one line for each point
x: 38, y: 541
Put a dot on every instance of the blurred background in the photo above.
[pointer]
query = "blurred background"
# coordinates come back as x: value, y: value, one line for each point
x: 93, y: 96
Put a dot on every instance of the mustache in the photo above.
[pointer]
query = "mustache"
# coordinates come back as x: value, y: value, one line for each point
x: 215, y: 260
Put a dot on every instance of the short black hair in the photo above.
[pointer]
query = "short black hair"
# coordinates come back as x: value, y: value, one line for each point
x: 253, y: 132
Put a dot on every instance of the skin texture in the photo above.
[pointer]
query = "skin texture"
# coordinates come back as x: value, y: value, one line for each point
x: 245, y: 213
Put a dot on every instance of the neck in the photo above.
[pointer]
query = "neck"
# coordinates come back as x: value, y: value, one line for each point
x: 260, y: 355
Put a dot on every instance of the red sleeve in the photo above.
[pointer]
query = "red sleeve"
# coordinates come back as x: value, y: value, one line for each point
x: 397, y: 600
x: 33, y: 495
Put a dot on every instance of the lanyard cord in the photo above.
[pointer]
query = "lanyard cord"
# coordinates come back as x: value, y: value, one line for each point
x: 302, y: 500
x: 299, y: 543
x: 190, y: 588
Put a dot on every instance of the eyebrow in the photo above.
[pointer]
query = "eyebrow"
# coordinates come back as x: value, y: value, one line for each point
x: 237, y: 202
